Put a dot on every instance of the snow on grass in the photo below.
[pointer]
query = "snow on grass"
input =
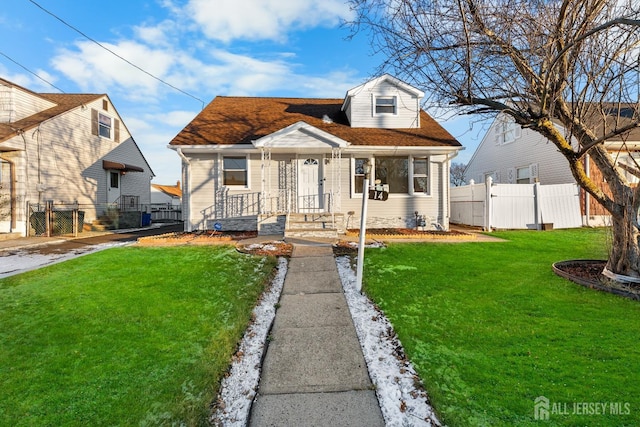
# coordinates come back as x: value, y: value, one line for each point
x: 403, y: 401
x: 240, y: 386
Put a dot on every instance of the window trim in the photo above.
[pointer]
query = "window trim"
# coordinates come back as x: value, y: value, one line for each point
x: 413, y: 175
x: 247, y: 186
x: 528, y: 178
x: 507, y: 126
x: 104, y: 126
x: 353, y: 174
x: 394, y: 105
x: 411, y: 191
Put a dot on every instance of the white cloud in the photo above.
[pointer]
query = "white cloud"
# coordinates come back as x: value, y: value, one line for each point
x: 227, y: 20
x: 94, y: 69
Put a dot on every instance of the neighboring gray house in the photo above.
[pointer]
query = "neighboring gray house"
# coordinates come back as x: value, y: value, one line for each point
x: 512, y: 155
x: 67, y: 149
x: 297, y: 163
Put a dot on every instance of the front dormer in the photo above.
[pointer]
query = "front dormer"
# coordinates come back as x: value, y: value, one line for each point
x: 384, y: 102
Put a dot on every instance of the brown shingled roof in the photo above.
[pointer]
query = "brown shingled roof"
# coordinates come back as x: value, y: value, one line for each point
x: 240, y: 120
x: 64, y: 102
x: 171, y: 190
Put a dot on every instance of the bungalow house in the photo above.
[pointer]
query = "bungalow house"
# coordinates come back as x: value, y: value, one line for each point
x: 294, y: 164
x: 66, y: 151
x: 510, y: 154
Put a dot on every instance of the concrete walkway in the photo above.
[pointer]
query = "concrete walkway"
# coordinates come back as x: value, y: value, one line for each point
x: 314, y: 373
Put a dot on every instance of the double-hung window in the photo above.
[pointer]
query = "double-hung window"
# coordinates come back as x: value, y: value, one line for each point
x: 104, y: 125
x: 358, y: 175
x: 234, y: 171
x: 420, y: 175
x: 386, y: 104
x: 522, y: 175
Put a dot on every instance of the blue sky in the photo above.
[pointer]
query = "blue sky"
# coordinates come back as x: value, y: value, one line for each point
x: 203, y: 47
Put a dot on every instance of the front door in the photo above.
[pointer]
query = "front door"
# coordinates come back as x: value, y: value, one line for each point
x: 309, y: 185
x: 113, y: 186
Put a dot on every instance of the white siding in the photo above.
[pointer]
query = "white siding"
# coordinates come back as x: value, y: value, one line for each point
x: 361, y: 112
x: 23, y: 104
x: 399, y: 210
x: 502, y: 160
x: 203, y: 187
x: 62, y: 161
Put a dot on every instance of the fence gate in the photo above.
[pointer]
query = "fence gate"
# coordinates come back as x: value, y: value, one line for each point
x: 54, y: 220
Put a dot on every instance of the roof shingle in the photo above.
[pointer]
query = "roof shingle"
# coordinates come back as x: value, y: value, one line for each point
x: 240, y: 120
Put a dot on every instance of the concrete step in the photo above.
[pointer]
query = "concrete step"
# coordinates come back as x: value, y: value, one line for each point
x: 329, y: 233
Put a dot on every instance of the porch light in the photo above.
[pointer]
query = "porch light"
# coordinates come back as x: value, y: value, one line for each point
x: 363, y: 224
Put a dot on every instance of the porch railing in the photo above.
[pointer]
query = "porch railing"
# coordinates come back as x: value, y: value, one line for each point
x: 279, y: 202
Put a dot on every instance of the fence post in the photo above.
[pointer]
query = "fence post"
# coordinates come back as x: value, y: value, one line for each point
x: 48, y: 217
x: 536, y: 205
x: 74, y: 220
x: 488, y: 205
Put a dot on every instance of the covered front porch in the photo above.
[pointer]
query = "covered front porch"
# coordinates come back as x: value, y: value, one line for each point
x: 300, y: 170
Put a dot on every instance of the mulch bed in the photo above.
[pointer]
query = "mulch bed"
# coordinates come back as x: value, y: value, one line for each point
x: 196, y: 238
x: 410, y: 233
x: 588, y: 273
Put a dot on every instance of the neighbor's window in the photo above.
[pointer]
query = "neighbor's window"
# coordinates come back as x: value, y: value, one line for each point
x: 358, y: 175
x: 420, y: 175
x: 386, y: 104
x: 522, y: 176
x: 393, y: 171
x: 234, y: 170
x: 508, y: 131
x: 104, y: 125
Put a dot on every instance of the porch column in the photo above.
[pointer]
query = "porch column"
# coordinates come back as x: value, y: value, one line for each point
x: 265, y: 175
x: 336, y: 179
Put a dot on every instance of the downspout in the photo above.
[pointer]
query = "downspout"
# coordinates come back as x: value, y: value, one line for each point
x: 12, y: 192
x: 186, y: 190
x: 446, y: 187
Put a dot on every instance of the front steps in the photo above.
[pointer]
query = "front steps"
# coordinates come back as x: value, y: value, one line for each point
x: 322, y: 225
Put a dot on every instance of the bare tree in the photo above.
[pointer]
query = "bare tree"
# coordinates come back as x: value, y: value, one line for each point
x: 457, y: 174
x: 566, y: 69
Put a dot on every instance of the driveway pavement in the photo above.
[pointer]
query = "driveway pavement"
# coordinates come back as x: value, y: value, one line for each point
x: 28, y: 253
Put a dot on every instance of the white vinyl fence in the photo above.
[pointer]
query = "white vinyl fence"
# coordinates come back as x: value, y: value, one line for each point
x: 516, y: 206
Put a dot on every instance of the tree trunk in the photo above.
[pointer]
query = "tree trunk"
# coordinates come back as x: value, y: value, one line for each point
x: 624, y: 258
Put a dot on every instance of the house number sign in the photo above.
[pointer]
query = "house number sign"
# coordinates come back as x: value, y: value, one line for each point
x: 378, y: 195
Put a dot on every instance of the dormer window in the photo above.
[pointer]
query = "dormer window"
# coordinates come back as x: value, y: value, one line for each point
x: 104, y: 125
x: 386, y: 105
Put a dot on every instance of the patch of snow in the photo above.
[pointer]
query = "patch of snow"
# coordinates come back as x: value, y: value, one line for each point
x: 21, y: 261
x: 392, y: 374
x: 240, y: 386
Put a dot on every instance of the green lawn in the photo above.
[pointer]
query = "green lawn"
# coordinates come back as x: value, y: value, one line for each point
x: 127, y: 336
x: 490, y: 327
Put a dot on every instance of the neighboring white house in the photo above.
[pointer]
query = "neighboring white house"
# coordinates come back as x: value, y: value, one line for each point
x: 166, y: 196
x: 68, y: 150
x: 512, y: 155
x: 276, y: 163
